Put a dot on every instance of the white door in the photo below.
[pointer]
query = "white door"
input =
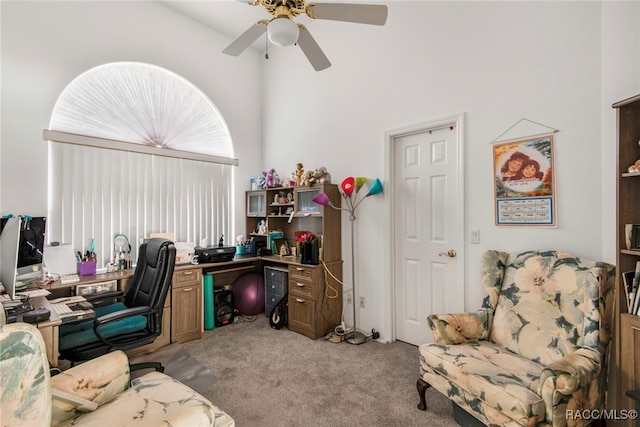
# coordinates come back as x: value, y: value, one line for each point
x: 428, y: 228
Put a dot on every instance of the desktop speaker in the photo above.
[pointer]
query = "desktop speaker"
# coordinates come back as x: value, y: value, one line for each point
x: 223, y: 307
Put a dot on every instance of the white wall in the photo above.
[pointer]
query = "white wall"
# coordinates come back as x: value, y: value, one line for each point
x: 558, y: 63
x: 45, y: 45
x: 497, y: 62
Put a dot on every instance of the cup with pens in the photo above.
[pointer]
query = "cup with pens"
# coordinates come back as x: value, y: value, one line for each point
x: 86, y: 265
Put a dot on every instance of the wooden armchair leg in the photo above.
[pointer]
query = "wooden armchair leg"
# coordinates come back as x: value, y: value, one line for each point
x: 422, y: 386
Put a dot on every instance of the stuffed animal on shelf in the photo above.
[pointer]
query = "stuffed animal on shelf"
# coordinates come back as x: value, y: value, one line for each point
x: 309, y: 179
x: 270, y: 178
x: 261, y: 180
x: 321, y: 176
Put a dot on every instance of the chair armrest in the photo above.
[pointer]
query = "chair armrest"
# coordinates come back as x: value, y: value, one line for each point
x: 101, y: 321
x: 92, y: 382
x: 156, y: 366
x: 96, y: 379
x: 122, y: 314
x: 459, y: 328
x: 96, y: 299
x: 572, y: 372
x: 77, y: 402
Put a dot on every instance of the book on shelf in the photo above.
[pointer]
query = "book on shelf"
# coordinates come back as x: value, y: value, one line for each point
x: 635, y: 306
x: 634, y: 292
x: 627, y: 284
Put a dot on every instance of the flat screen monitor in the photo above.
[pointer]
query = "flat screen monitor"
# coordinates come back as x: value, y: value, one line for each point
x: 31, y: 249
x: 9, y: 242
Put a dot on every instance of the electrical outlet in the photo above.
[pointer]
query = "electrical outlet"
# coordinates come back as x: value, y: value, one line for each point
x: 362, y: 302
x: 349, y: 300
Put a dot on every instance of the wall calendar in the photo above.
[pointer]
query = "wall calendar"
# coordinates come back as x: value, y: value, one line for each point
x: 524, y: 182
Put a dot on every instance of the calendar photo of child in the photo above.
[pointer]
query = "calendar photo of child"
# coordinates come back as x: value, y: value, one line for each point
x: 524, y: 181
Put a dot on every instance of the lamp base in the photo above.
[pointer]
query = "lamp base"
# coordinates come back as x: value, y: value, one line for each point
x: 356, y: 338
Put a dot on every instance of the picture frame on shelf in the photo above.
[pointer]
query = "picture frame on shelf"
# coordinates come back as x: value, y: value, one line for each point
x: 281, y: 246
x: 627, y: 235
x: 635, y: 237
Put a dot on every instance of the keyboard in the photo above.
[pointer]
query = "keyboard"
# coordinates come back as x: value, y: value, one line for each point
x: 67, y: 314
x: 61, y: 309
x: 65, y: 279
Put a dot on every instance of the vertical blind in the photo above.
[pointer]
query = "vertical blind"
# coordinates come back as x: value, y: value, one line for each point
x: 97, y: 193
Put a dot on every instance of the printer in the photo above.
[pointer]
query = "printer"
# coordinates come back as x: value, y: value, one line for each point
x: 211, y: 254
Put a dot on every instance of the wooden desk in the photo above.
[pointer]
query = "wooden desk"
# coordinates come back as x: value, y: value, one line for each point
x: 174, y: 329
x: 48, y: 329
x: 635, y: 395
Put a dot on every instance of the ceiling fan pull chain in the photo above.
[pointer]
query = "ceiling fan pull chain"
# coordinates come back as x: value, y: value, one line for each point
x: 266, y: 48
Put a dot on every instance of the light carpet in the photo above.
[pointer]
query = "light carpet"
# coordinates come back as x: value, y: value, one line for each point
x: 179, y: 365
x: 267, y: 377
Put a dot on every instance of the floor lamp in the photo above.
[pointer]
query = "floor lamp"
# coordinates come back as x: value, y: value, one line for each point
x: 350, y: 190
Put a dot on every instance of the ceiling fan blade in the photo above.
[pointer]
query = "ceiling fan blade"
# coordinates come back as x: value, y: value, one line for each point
x: 244, y: 41
x: 373, y: 14
x: 311, y: 50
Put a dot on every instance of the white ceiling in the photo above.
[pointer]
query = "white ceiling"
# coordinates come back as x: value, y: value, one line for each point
x: 228, y: 17
x: 233, y: 17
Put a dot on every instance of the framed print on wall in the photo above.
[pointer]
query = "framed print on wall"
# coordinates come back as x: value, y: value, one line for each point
x: 524, y: 182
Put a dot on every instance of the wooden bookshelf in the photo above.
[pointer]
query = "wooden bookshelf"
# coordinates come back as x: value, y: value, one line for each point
x: 624, y: 372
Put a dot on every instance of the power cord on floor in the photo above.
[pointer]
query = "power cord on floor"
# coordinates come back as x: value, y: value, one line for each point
x: 244, y: 318
x: 339, y: 334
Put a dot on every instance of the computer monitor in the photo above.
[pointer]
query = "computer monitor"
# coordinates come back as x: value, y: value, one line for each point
x: 9, y: 243
x: 31, y: 249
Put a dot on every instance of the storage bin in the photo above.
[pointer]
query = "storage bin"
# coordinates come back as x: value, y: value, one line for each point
x: 86, y: 268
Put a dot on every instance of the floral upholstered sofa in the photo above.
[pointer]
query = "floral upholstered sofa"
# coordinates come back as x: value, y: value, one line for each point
x: 95, y: 393
x: 537, y: 350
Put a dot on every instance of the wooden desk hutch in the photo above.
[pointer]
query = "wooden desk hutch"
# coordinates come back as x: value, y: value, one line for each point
x: 315, y: 291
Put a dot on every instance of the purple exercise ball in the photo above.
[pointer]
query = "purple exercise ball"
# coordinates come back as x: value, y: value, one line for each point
x: 248, y: 294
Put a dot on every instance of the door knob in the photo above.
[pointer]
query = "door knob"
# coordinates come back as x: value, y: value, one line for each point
x: 451, y: 253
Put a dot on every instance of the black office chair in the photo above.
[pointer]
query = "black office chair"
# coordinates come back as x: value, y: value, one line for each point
x: 134, y: 321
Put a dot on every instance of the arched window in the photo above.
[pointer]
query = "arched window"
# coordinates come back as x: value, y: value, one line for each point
x: 135, y: 149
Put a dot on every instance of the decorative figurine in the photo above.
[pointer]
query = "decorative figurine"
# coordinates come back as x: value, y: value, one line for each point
x: 634, y: 168
x: 299, y: 174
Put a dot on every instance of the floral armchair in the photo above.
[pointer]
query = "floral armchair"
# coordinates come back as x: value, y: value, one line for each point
x: 95, y: 393
x: 536, y: 351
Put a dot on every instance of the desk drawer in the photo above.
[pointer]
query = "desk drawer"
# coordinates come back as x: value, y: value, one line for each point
x: 303, y: 288
x: 96, y: 288
x: 275, y: 281
x: 300, y: 273
x: 187, y: 278
x: 302, y: 316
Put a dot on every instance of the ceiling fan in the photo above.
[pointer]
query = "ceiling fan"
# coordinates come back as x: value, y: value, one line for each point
x: 283, y: 31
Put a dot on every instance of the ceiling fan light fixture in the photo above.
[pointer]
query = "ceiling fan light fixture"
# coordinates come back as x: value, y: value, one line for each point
x: 283, y: 32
